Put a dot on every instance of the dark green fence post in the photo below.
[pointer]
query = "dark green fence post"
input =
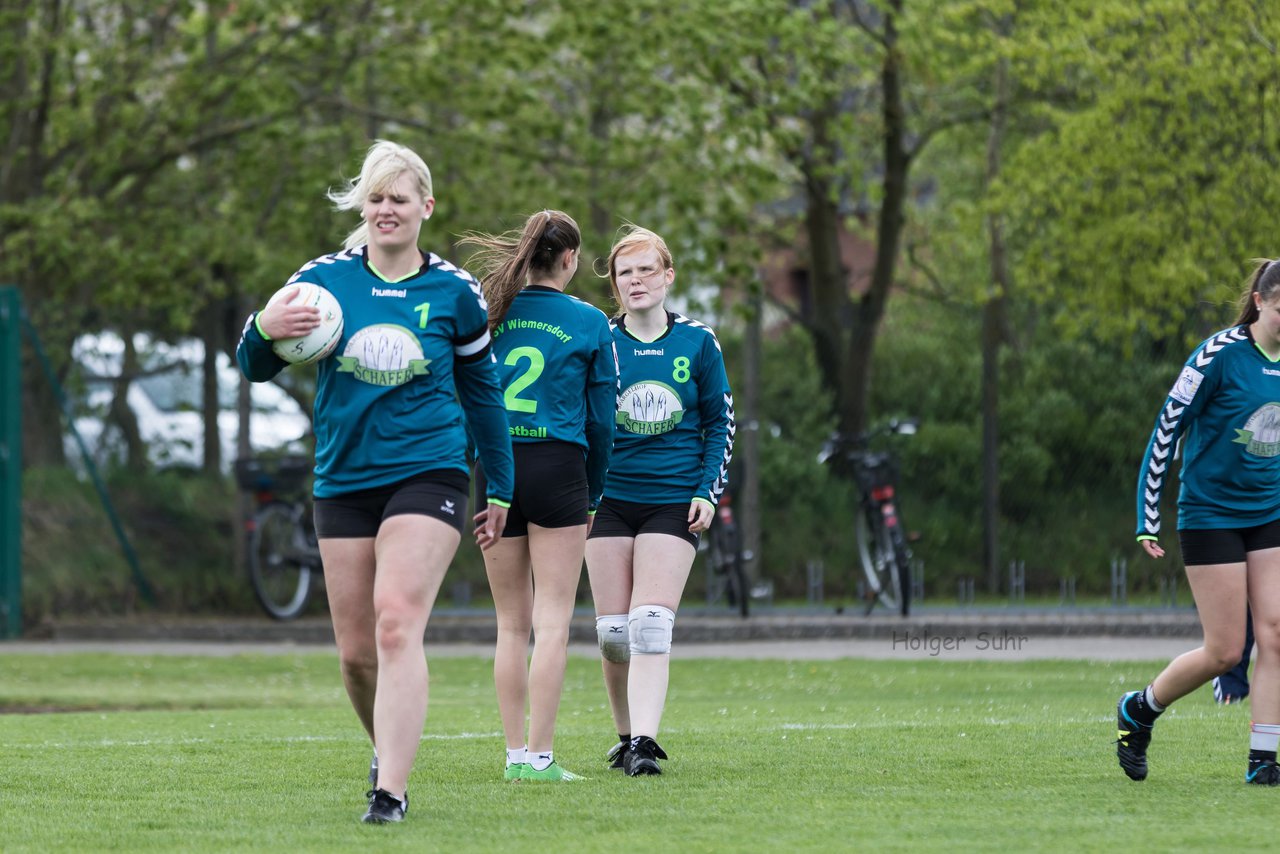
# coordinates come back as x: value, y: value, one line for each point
x: 10, y: 463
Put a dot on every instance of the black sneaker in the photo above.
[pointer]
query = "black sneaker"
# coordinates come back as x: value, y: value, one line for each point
x: 641, y: 757
x: 373, y: 770
x: 617, y: 755
x: 1131, y: 743
x: 1263, y: 772
x: 385, y: 808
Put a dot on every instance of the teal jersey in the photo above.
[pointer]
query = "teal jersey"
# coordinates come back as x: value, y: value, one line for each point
x: 387, y: 399
x: 674, y: 426
x: 559, y: 372
x: 1225, y: 407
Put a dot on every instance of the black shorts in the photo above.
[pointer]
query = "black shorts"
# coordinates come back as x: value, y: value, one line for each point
x: 440, y: 494
x: 551, y: 487
x: 628, y: 519
x: 1205, y: 547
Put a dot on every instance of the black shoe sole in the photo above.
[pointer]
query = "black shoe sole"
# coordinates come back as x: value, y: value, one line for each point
x: 644, y: 768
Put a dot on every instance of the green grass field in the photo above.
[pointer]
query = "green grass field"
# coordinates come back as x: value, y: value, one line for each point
x: 140, y: 753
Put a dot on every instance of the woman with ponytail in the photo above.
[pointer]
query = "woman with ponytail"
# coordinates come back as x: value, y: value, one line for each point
x: 559, y: 374
x: 1225, y: 407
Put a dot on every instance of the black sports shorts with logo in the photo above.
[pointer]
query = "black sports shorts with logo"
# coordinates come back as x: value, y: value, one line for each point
x: 439, y: 493
x: 629, y: 519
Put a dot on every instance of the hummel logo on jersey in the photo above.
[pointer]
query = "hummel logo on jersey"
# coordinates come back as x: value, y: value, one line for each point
x: 649, y: 352
x: 390, y: 292
x: 447, y: 507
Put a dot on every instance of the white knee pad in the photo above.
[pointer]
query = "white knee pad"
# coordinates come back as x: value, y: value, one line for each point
x: 615, y: 641
x: 651, y: 629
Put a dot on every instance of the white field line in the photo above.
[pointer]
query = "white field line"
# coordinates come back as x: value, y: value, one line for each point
x: 171, y: 742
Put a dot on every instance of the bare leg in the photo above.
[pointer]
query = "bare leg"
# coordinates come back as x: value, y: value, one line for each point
x: 348, y: 581
x: 511, y: 583
x: 557, y: 565
x: 662, y: 564
x: 1264, y: 597
x: 413, y: 554
x: 609, y: 571
x: 1220, y: 594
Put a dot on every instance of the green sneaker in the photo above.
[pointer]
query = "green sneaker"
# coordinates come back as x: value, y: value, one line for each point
x: 514, y: 772
x: 552, y: 773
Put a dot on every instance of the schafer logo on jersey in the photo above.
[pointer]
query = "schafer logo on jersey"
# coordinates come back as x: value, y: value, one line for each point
x: 1261, y: 433
x: 383, y: 354
x: 649, y: 408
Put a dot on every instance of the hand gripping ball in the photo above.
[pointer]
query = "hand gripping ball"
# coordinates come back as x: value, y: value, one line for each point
x: 322, y: 340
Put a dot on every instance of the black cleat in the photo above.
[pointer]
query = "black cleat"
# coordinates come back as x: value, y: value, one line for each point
x: 1263, y: 772
x: 641, y: 757
x: 385, y: 808
x: 617, y: 755
x: 1131, y: 743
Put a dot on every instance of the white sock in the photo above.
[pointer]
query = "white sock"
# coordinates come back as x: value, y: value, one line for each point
x: 1264, y: 737
x: 540, y: 761
x: 516, y: 755
x: 1151, y: 700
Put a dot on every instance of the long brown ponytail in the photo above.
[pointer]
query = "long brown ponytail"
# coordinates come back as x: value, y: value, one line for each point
x: 504, y: 262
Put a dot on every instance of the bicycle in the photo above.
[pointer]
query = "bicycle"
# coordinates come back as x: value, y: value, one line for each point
x: 883, y: 552
x: 724, y: 553
x: 283, y: 551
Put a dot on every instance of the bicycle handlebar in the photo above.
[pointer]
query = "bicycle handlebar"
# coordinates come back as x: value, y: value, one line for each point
x: 851, y: 443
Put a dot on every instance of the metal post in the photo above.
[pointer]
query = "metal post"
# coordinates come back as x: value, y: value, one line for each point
x: 917, y: 580
x: 1067, y: 584
x: 1017, y: 582
x: 1119, y: 582
x: 813, y: 569
x: 10, y: 463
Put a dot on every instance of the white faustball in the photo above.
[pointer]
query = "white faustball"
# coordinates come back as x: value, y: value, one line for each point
x: 322, y: 340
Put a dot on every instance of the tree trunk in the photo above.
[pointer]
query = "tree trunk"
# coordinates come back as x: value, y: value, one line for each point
x: 992, y: 342
x: 749, y: 434
x: 869, y: 310
x: 827, y: 277
x: 121, y: 414
x: 210, y: 399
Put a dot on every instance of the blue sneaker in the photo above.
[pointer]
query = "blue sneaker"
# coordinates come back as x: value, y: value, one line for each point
x: 1131, y: 742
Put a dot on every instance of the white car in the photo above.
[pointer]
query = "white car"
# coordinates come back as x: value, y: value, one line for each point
x: 167, y: 404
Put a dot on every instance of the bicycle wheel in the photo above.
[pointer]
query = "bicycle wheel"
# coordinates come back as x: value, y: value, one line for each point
x: 735, y: 570
x: 281, y: 578
x: 902, y: 557
x: 724, y: 557
x: 879, y: 559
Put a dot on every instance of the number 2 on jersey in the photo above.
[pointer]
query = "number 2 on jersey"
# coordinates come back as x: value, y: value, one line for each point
x: 537, y: 362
